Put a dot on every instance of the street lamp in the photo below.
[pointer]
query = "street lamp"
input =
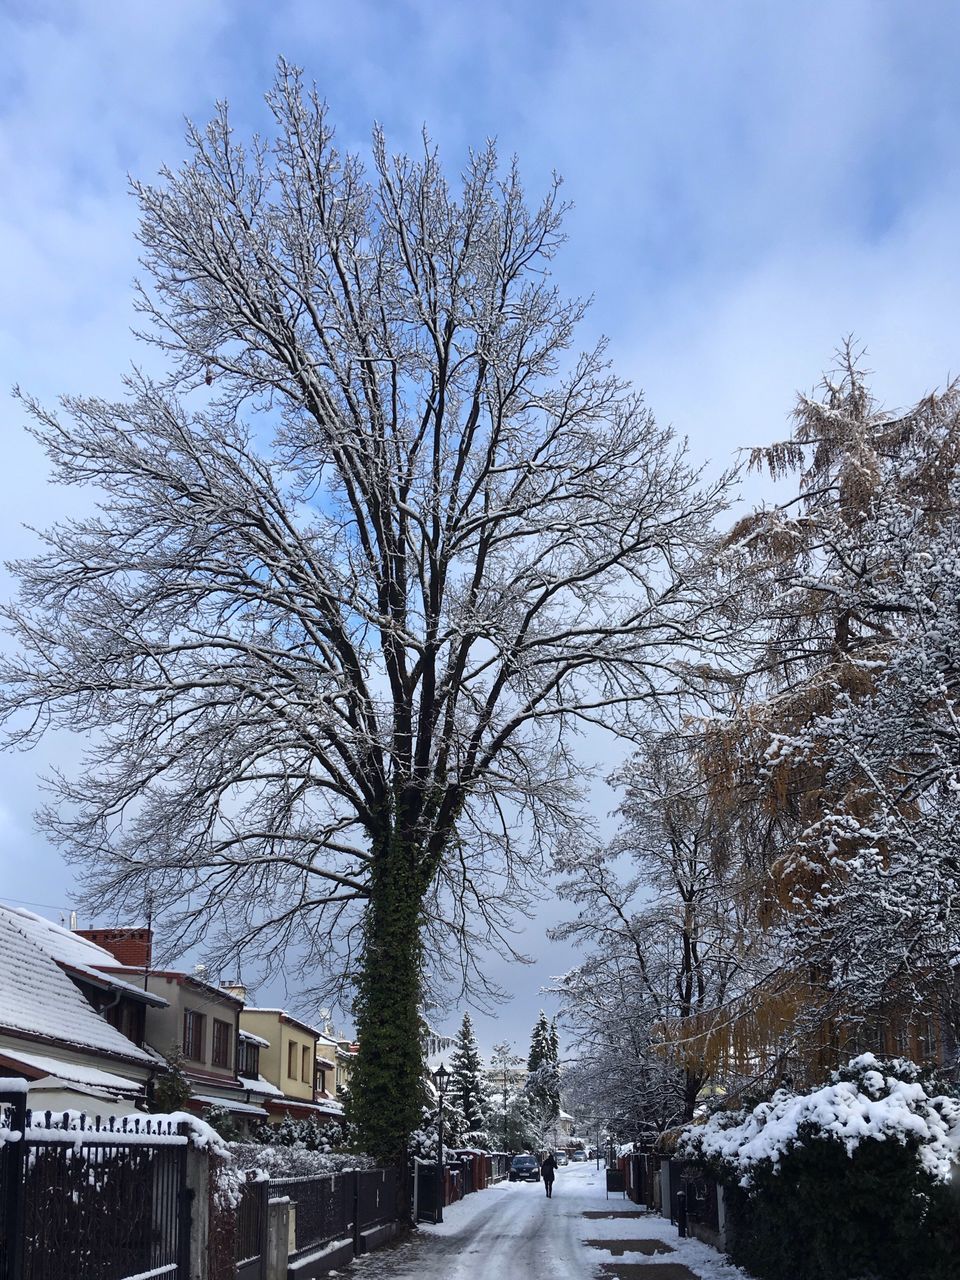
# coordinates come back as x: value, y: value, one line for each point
x: 440, y: 1078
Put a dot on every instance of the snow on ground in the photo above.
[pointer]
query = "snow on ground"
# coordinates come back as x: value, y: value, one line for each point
x: 512, y: 1229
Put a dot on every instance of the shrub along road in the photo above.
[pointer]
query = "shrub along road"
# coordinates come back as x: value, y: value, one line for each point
x: 512, y: 1229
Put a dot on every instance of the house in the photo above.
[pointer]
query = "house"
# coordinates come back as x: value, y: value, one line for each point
x: 335, y: 1058
x: 289, y: 1062
x: 75, y: 1032
x: 195, y: 1024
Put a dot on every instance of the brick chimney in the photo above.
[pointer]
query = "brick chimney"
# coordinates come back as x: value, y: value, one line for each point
x: 132, y: 947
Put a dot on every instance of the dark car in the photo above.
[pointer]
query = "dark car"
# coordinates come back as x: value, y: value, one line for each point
x: 524, y: 1169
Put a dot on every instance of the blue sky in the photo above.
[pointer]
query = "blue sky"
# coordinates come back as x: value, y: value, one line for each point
x: 751, y: 182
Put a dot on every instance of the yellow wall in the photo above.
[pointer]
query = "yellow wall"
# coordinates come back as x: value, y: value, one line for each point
x: 275, y: 1061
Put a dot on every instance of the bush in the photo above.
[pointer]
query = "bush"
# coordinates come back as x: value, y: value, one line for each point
x: 848, y: 1182
x: 222, y: 1121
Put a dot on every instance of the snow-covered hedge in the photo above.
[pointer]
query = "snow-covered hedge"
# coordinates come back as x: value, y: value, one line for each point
x: 295, y: 1161
x: 856, y: 1179
x: 866, y: 1100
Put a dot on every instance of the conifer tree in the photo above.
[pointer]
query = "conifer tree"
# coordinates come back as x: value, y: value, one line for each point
x: 172, y: 1090
x: 468, y: 1084
x: 543, y: 1080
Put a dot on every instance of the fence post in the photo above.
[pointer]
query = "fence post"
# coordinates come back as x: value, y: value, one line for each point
x: 195, y: 1213
x: 357, y: 1242
x: 276, y: 1243
x: 681, y: 1213
x: 13, y: 1162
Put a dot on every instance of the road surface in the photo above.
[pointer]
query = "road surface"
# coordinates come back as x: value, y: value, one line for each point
x: 512, y: 1231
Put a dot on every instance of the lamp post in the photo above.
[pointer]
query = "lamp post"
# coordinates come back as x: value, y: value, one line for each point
x: 440, y: 1078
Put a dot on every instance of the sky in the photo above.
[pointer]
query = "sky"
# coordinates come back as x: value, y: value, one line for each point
x: 751, y: 182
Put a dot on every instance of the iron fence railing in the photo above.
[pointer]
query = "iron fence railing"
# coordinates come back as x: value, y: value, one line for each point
x: 323, y: 1205
x: 377, y: 1197
x: 250, y: 1236
x: 85, y: 1199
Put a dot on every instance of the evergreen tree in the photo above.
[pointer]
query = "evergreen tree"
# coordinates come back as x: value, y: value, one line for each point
x: 539, y: 1053
x: 220, y: 1119
x: 172, y: 1090
x: 468, y: 1086
x: 543, y: 1078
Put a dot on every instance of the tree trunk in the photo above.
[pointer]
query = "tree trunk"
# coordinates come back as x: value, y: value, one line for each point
x: 387, y: 1082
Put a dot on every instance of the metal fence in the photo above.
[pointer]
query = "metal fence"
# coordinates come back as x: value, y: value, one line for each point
x: 702, y: 1200
x: 378, y: 1193
x: 323, y: 1205
x: 250, y: 1237
x: 81, y: 1199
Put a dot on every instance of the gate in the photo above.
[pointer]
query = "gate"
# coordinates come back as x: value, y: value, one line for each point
x: 91, y: 1201
x: 427, y: 1191
x: 251, y: 1234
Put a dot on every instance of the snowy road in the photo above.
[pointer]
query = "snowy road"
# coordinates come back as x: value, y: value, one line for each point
x: 512, y: 1230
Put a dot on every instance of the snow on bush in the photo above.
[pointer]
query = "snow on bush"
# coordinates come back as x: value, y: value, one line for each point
x: 866, y: 1100
x: 295, y: 1161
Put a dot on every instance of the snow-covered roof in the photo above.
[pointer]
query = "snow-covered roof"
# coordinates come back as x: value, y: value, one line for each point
x: 228, y: 1104
x: 80, y: 955
x: 37, y: 998
x: 284, y: 1016
x: 261, y: 1086
x: 70, y: 1072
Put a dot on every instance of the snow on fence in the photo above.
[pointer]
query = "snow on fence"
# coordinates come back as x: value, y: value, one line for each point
x: 82, y: 1199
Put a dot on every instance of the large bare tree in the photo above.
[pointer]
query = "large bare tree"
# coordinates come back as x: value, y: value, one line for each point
x: 360, y: 564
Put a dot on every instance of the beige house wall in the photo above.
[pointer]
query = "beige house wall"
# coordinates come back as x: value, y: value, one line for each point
x: 284, y: 1034
x: 165, y: 1027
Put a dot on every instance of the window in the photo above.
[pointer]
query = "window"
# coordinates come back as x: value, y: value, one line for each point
x: 193, y: 1035
x: 321, y: 1081
x: 248, y: 1058
x: 128, y: 1018
x: 305, y: 1065
x: 292, y: 1060
x: 222, y: 1035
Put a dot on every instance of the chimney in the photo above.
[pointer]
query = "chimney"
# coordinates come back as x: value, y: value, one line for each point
x: 131, y: 947
x: 235, y: 988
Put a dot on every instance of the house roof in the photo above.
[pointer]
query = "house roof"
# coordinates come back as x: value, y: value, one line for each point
x: 282, y: 1016
x: 229, y: 1104
x: 257, y: 1084
x: 38, y: 999
x: 79, y: 956
x: 46, y: 1068
x: 174, y: 975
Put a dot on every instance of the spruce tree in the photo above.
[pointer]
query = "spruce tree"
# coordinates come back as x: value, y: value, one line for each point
x: 539, y: 1044
x: 468, y: 1085
x: 543, y: 1079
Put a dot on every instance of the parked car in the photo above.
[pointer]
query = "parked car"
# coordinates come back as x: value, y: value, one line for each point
x: 561, y: 1157
x: 578, y: 1156
x: 524, y: 1169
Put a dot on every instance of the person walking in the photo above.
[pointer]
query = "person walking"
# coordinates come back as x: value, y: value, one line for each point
x: 548, y: 1171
